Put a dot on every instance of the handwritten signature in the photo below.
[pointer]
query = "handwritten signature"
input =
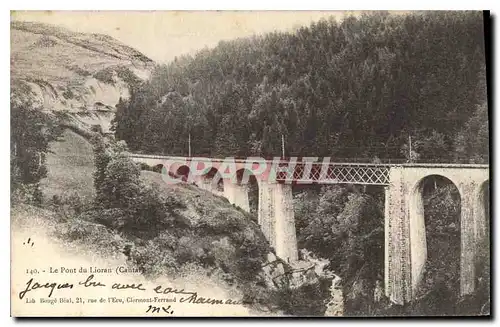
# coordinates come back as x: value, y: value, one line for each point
x: 153, y: 309
x: 186, y: 296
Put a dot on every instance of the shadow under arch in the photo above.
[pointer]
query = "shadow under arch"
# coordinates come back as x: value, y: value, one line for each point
x: 159, y: 168
x: 213, y: 179
x: 183, y: 173
x: 435, y: 239
x: 245, y: 178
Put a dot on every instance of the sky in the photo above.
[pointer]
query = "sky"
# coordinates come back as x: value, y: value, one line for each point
x: 163, y: 35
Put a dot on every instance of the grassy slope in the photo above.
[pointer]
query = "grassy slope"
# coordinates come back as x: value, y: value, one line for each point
x: 206, y: 211
x: 54, y: 54
x: 77, y: 243
x: 213, y: 225
x: 61, y: 70
x: 70, y: 165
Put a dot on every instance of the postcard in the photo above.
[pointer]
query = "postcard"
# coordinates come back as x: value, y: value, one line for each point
x: 250, y: 163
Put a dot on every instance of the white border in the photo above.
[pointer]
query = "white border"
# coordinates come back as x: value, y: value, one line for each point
x: 190, y: 5
x: 257, y: 5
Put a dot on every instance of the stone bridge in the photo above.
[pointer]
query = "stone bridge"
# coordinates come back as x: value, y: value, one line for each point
x: 405, y: 234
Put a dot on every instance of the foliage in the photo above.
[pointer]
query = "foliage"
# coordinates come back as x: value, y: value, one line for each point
x: 105, y: 76
x: 442, y: 219
x: 26, y: 193
x: 144, y: 166
x: 345, y: 226
x: 129, y: 206
x: 307, y: 300
x: 68, y: 206
x: 473, y: 141
x: 31, y: 132
x: 123, y: 201
x: 354, y: 89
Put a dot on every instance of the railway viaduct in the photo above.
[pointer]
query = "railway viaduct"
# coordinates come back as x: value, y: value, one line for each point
x: 405, y: 235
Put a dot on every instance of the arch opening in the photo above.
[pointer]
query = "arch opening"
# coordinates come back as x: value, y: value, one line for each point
x: 435, y: 209
x: 247, y: 179
x: 158, y: 168
x: 214, y: 179
x: 183, y: 173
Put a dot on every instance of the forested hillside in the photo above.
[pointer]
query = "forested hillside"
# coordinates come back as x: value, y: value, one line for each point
x: 354, y: 89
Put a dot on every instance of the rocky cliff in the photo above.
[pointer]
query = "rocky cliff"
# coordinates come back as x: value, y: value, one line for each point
x: 82, y: 74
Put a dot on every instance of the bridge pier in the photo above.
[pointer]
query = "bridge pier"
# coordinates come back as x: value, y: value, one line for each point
x: 277, y: 220
x: 480, y: 217
x: 469, y: 242
x: 205, y: 184
x: 398, y: 277
x: 405, y: 230
x: 237, y: 194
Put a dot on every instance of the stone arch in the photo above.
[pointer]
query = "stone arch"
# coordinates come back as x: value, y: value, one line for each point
x: 246, y: 179
x: 422, y: 234
x: 182, y: 172
x: 158, y: 168
x: 213, y: 179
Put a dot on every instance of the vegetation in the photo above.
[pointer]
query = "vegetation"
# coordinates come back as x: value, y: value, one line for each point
x: 124, y: 73
x: 355, y: 89
x: 164, y: 240
x: 346, y: 227
x: 31, y: 132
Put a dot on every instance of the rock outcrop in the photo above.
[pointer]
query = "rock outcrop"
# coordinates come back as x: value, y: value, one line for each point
x: 85, y: 75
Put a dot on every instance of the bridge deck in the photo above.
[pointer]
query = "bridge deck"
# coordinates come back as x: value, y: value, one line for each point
x: 339, y: 163
x: 323, y: 172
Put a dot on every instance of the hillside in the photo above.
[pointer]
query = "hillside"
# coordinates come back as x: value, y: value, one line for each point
x: 79, y: 243
x: 214, y: 248
x: 359, y: 89
x: 351, y: 89
x: 85, y: 74
x: 70, y: 164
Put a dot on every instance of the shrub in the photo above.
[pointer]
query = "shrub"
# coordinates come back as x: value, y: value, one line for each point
x: 96, y: 236
x: 128, y: 76
x: 144, y: 166
x: 70, y: 206
x: 27, y: 193
x: 80, y: 71
x: 306, y: 300
x: 68, y: 94
x: 96, y: 129
x: 105, y: 76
